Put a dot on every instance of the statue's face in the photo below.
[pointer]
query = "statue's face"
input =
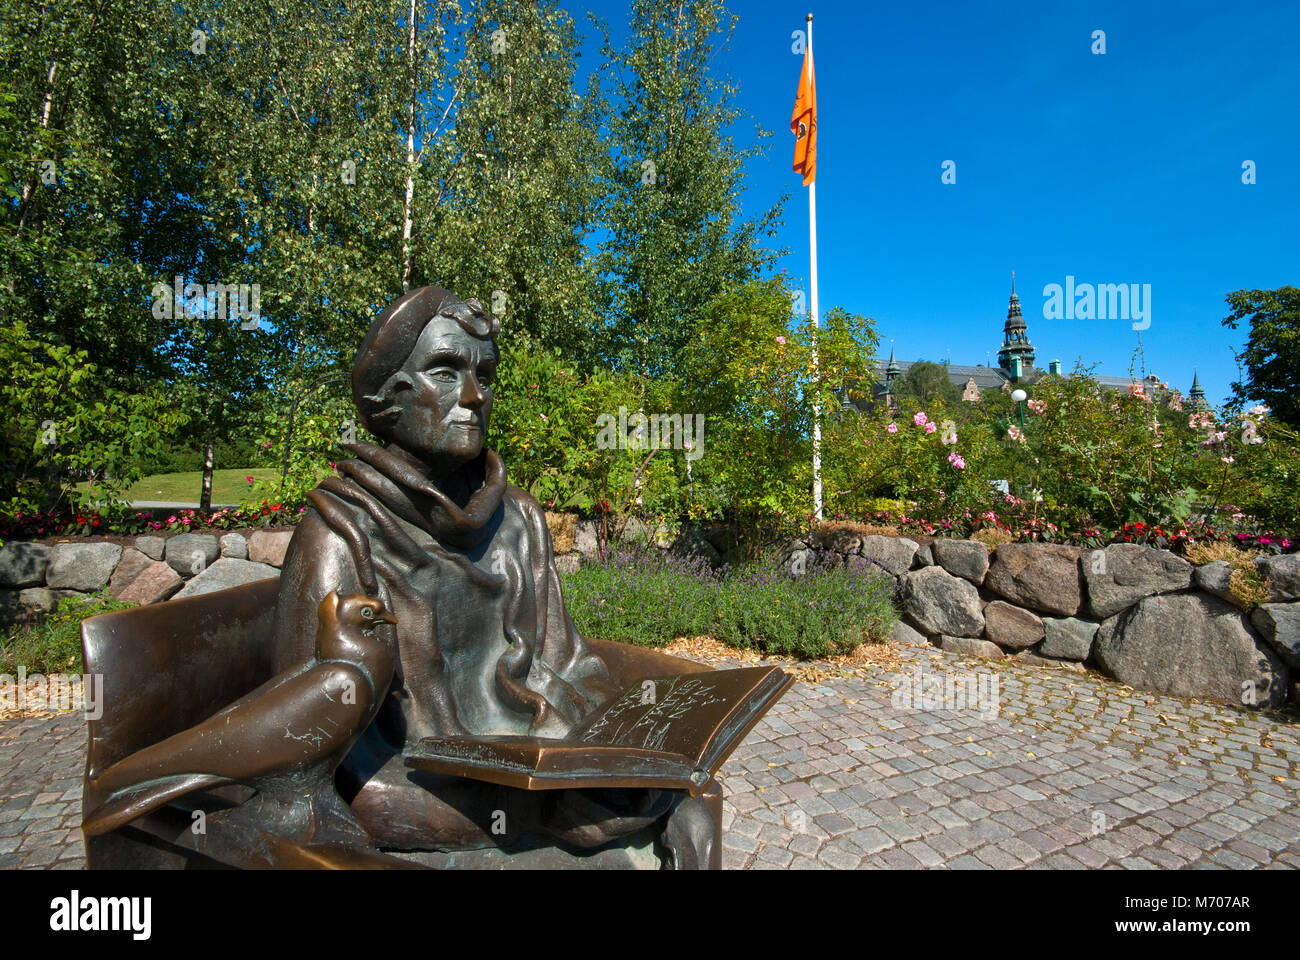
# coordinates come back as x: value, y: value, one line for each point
x: 446, y: 395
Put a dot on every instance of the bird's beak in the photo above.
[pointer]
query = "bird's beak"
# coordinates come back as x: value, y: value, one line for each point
x: 385, y: 618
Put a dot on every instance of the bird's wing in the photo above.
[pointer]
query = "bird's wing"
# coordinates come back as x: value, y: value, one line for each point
x: 304, y: 719
x: 125, y: 805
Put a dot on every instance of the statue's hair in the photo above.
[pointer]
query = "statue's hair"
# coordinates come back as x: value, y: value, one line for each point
x: 390, y: 340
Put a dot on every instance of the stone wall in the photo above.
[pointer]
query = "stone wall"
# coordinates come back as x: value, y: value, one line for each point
x: 1140, y: 615
x: 35, y: 576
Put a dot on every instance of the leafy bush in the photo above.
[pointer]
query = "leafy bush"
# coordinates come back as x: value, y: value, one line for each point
x: 1087, y: 464
x: 649, y: 598
x: 301, y: 438
x: 826, y: 612
x: 64, y: 422
x: 641, y: 597
x: 758, y: 380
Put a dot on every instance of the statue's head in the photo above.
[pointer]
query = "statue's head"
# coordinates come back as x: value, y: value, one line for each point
x: 423, y: 376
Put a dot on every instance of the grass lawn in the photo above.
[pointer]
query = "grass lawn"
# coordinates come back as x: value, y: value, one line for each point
x: 228, y: 486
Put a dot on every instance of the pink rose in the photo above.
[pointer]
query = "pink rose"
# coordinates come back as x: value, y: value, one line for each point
x: 892, y: 428
x: 930, y: 427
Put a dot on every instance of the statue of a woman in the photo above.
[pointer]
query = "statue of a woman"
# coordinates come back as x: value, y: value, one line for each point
x: 463, y: 561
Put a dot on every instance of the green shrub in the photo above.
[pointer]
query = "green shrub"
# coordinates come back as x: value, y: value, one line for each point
x: 642, y: 598
x: 53, y: 645
x: 824, y: 613
x: 649, y: 599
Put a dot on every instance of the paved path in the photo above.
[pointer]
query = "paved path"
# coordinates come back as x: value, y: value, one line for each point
x: 1060, y: 771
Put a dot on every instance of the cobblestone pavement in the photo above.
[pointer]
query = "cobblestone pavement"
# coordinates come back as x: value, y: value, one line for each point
x: 1047, y: 770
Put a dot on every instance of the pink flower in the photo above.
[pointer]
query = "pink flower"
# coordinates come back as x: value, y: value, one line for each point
x: 249, y: 479
x: 545, y: 417
x: 1038, y: 406
x: 892, y: 428
x: 171, y: 519
x: 930, y: 427
x: 1016, y: 434
x: 919, y: 419
x: 955, y: 459
x: 781, y: 340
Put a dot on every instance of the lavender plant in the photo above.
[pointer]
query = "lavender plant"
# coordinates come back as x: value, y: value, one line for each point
x: 649, y: 598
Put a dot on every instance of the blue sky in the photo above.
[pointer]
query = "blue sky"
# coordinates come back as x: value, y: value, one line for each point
x: 1124, y: 167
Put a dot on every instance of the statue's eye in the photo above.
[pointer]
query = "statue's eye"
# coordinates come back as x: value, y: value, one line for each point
x: 368, y: 612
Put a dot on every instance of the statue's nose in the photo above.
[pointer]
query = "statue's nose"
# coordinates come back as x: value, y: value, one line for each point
x: 472, y: 394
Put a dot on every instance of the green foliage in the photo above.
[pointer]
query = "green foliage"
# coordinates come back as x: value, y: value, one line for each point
x: 64, y: 423
x: 537, y: 423
x: 520, y: 192
x: 1272, y: 354
x: 649, y: 599
x: 53, y: 644
x: 756, y: 382
x: 673, y: 180
x: 548, y: 426
x: 926, y: 384
x: 824, y: 613
x: 940, y: 468
x: 301, y: 438
x: 1087, y: 460
x: 642, y: 599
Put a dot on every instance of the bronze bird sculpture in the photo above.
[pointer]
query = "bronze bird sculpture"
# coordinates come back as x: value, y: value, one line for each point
x: 261, y: 740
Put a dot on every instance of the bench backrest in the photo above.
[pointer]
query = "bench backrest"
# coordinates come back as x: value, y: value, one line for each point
x: 168, y: 666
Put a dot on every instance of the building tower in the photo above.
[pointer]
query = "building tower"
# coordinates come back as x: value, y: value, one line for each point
x: 1016, y: 357
x: 1196, y: 394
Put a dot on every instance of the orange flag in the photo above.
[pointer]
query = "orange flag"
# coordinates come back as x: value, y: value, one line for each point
x: 803, y: 122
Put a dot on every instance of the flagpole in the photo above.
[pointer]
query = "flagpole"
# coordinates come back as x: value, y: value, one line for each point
x: 812, y: 249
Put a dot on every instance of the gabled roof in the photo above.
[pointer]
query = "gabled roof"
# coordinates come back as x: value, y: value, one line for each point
x: 958, y: 373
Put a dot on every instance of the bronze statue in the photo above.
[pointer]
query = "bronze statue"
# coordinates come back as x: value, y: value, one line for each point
x: 420, y: 643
